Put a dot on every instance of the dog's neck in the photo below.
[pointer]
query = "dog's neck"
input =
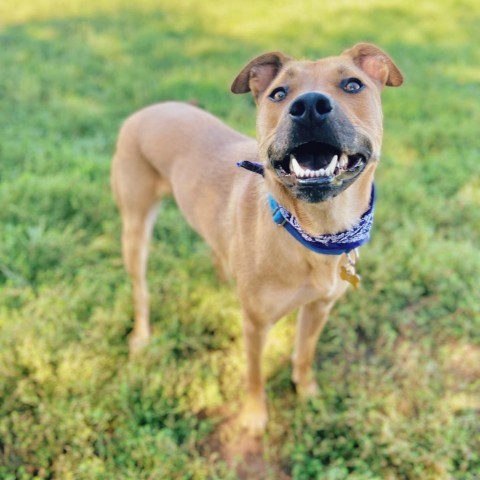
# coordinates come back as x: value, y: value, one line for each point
x: 331, y: 216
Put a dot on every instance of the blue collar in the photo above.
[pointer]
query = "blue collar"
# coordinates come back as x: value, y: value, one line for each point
x: 327, y: 244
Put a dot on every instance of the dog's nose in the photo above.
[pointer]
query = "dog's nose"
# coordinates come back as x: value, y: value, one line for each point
x: 310, y: 108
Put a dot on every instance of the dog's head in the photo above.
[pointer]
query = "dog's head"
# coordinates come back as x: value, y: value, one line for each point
x: 319, y: 124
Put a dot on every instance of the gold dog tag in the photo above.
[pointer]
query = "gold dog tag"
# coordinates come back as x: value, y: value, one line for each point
x: 348, y: 273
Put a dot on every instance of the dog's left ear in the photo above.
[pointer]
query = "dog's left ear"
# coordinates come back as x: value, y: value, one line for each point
x: 257, y: 75
x: 376, y: 64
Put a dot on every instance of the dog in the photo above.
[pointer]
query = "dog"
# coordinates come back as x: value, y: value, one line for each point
x: 287, y: 231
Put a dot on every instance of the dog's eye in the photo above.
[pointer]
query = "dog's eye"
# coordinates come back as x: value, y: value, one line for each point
x: 278, y: 94
x: 351, y: 85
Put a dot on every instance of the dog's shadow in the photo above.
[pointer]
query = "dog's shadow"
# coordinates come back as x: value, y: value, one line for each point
x: 249, y: 456
x: 242, y: 452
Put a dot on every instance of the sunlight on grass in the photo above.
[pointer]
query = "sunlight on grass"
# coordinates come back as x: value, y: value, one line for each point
x: 13, y: 11
x: 279, y: 348
x: 470, y: 193
x: 300, y: 23
x: 42, y: 33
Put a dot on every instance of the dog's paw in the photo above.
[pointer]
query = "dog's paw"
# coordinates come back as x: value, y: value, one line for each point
x: 253, y: 417
x: 305, y: 383
x: 136, y: 343
x: 307, y: 389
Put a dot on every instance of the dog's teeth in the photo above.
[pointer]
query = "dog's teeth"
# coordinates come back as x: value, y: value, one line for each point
x: 319, y: 173
x: 331, y: 167
x: 294, y: 166
x: 301, y: 172
x: 297, y: 169
x: 343, y: 162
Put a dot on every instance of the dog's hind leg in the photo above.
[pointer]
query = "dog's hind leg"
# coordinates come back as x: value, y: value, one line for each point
x: 138, y: 188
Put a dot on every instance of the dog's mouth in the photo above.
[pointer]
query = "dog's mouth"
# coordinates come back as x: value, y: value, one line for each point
x: 315, y: 162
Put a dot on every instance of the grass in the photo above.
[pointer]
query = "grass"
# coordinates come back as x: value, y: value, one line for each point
x: 399, y: 362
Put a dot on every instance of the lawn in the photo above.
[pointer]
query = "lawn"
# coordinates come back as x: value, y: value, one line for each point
x: 399, y: 362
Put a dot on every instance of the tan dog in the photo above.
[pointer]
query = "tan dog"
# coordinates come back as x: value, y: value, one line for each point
x: 308, y: 114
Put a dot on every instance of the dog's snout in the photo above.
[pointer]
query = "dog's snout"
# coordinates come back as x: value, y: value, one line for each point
x: 310, y: 107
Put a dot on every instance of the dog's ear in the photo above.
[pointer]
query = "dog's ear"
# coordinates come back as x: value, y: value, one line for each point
x: 376, y: 64
x: 257, y: 75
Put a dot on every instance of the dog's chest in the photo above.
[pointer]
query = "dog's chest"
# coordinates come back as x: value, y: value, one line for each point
x: 302, y: 284
x: 322, y: 281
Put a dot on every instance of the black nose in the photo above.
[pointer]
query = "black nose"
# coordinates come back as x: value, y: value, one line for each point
x: 310, y: 108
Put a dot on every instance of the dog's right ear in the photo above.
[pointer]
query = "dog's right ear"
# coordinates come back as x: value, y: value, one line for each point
x: 257, y: 75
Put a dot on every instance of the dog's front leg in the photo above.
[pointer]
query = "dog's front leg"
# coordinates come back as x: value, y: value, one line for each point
x: 254, y: 414
x: 311, y: 320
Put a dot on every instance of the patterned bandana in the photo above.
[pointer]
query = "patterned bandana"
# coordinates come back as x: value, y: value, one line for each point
x: 327, y: 244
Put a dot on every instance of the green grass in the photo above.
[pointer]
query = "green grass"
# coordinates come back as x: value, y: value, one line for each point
x: 399, y: 362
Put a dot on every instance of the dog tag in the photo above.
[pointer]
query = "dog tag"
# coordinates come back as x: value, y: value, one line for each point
x: 348, y: 273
